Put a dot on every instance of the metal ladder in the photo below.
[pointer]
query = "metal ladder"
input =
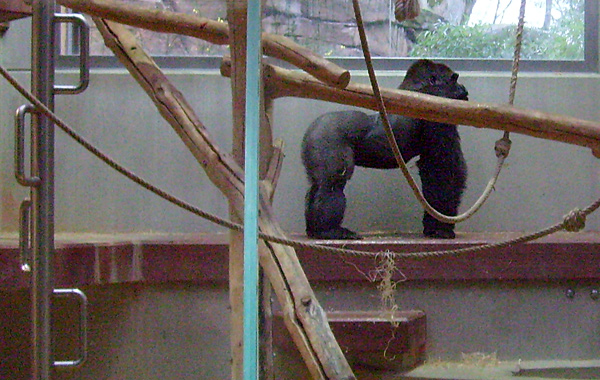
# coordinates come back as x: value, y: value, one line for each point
x: 37, y: 213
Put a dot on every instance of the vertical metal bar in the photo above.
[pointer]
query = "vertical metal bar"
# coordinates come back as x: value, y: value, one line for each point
x: 24, y: 234
x: 42, y: 83
x: 20, y: 175
x: 251, y: 291
x: 81, y: 298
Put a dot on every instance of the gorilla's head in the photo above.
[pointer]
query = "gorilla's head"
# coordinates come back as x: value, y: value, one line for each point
x: 434, y: 79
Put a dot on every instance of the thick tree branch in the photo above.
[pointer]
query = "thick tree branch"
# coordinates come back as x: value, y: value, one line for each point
x: 304, y: 317
x: 280, y: 82
x: 212, y: 31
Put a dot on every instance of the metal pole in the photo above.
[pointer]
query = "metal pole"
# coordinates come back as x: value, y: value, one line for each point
x: 251, y: 197
x: 42, y: 83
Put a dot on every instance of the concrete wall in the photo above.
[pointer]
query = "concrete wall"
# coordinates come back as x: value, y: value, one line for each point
x: 161, y: 332
x: 180, y: 331
x: 541, y: 182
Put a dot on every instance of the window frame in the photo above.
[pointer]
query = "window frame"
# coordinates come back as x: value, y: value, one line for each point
x: 589, y: 64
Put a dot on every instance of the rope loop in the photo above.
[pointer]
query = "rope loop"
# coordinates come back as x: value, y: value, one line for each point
x: 502, y: 147
x: 406, y: 10
x: 574, y: 221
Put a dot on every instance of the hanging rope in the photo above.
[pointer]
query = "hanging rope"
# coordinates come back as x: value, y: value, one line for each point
x: 573, y: 222
x: 502, y: 147
x: 406, y: 9
x: 517, y: 54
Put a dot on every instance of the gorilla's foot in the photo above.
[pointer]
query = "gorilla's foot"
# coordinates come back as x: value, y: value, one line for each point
x: 439, y: 234
x: 335, y: 233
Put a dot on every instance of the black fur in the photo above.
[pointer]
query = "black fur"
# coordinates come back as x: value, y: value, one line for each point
x: 337, y: 141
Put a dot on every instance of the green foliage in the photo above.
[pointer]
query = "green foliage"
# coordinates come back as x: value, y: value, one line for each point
x: 456, y: 41
x: 564, y: 39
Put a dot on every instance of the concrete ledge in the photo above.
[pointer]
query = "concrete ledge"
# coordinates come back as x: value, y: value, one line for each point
x: 87, y: 259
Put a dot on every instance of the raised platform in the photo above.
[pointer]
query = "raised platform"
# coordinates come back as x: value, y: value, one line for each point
x: 154, y: 261
x: 91, y: 259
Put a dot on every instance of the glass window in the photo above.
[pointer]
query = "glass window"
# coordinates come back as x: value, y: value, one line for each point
x: 558, y: 35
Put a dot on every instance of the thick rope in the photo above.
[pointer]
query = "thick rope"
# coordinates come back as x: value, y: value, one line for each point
x: 502, y: 147
x: 516, y: 60
x: 574, y: 221
x: 517, y: 54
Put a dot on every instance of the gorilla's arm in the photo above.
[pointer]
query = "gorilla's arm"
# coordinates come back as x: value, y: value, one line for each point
x: 443, y: 173
x: 374, y: 150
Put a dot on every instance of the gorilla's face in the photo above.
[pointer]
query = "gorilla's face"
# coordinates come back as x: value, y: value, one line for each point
x: 434, y: 79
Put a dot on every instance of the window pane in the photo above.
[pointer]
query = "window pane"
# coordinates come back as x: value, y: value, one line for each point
x: 554, y: 29
x: 162, y: 44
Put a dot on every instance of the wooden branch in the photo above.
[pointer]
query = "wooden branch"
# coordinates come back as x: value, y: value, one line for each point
x: 236, y: 13
x: 302, y: 312
x: 172, y: 106
x: 274, y: 169
x: 280, y: 82
x: 303, y: 58
x: 304, y: 317
x: 212, y: 31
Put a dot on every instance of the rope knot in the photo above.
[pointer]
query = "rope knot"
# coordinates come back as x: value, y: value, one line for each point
x: 574, y: 221
x: 502, y: 147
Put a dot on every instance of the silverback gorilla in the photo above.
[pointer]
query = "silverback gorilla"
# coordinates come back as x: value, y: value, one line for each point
x: 337, y: 141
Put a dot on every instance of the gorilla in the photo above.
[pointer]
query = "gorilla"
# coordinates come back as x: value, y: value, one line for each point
x: 338, y: 141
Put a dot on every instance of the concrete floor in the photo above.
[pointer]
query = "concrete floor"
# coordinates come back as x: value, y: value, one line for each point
x: 488, y: 368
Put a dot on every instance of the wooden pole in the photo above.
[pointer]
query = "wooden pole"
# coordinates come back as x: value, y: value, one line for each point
x: 281, y: 82
x: 236, y: 12
x: 212, y: 31
x: 304, y: 317
x: 330, y: 78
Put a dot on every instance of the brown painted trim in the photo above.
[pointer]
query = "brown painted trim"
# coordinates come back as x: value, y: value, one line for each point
x: 13, y: 9
x: 3, y: 27
x: 97, y: 260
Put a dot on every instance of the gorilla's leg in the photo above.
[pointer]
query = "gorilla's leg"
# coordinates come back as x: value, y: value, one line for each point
x: 443, y: 173
x: 329, y: 162
x: 325, y: 206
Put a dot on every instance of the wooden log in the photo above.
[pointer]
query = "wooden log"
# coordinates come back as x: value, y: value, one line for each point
x: 303, y: 315
x: 282, y: 82
x: 236, y: 12
x: 274, y: 169
x: 212, y: 31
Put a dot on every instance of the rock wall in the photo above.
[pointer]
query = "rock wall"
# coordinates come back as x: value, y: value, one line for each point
x: 325, y: 26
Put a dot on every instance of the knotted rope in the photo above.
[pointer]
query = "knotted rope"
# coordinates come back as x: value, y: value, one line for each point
x: 574, y: 221
x: 502, y: 147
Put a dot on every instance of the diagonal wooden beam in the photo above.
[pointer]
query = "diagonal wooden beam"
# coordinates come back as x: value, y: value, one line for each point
x: 212, y: 31
x: 303, y: 315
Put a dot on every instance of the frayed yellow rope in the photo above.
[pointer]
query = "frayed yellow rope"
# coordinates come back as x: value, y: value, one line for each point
x: 387, y: 289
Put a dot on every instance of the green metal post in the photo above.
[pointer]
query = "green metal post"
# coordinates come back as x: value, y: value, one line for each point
x: 251, y: 197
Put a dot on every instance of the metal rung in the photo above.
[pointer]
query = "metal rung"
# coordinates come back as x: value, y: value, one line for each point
x: 24, y: 235
x: 82, y: 299
x: 20, y: 175
x: 84, y: 53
